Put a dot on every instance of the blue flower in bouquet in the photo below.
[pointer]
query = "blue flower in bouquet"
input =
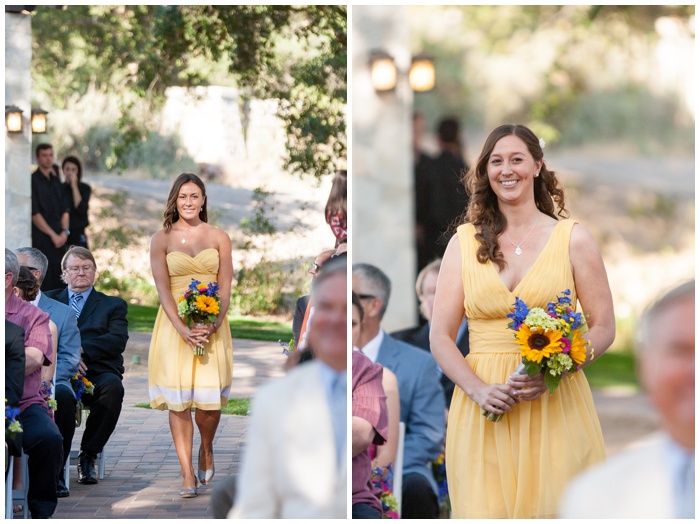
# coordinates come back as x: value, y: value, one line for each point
x: 12, y: 426
x: 213, y: 289
x: 518, y: 315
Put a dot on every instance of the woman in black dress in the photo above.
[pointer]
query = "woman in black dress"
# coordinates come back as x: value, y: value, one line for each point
x: 77, y: 194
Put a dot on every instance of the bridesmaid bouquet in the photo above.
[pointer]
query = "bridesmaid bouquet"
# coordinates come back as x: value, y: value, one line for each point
x: 80, y: 385
x: 550, y: 341
x: 12, y: 425
x: 199, y: 305
x: 382, y: 480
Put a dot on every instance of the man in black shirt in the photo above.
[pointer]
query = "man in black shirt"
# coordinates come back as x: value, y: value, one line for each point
x: 49, y: 216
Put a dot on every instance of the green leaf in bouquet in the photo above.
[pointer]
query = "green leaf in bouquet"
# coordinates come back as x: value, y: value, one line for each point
x: 532, y: 368
x: 552, y: 381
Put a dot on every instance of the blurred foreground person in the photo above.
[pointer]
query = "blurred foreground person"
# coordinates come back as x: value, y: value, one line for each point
x: 295, y: 460
x: 654, y: 478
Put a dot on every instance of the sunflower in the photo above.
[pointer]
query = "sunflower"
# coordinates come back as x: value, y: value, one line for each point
x: 207, y: 304
x: 578, y: 348
x: 538, y: 343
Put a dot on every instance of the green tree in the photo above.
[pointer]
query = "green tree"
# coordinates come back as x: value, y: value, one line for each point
x: 295, y: 54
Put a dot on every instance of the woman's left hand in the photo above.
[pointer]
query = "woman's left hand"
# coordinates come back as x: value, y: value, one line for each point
x: 530, y: 388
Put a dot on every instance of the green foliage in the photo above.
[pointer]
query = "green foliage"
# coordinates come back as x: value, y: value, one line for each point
x: 577, y: 73
x: 141, y: 319
x: 295, y: 54
x: 235, y: 406
x: 613, y: 369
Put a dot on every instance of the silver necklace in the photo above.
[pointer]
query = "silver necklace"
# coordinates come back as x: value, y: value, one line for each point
x: 182, y: 232
x: 519, y: 251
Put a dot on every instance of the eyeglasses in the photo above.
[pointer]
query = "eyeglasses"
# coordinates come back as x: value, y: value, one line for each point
x: 314, y: 269
x: 367, y: 297
x: 30, y: 268
x: 84, y: 269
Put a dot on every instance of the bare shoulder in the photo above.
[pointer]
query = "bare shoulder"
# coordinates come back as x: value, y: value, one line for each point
x: 582, y: 239
x: 220, y: 235
x: 159, y: 240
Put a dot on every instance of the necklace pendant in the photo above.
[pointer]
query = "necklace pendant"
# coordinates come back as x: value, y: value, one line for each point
x: 518, y: 251
x: 183, y: 240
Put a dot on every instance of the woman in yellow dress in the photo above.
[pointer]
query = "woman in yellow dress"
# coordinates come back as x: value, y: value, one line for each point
x: 514, y: 244
x: 188, y: 248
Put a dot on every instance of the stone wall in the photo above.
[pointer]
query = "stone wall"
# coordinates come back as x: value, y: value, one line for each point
x: 18, y: 155
x: 381, y: 162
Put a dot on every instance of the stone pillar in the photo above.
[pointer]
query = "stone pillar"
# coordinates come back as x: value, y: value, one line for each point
x: 381, y: 164
x: 18, y: 155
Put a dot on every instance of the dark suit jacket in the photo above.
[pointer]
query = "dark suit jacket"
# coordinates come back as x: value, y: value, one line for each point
x: 420, y: 337
x: 422, y: 404
x: 103, y: 330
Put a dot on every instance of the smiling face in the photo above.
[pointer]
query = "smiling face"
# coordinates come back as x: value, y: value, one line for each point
x: 189, y: 201
x: 511, y: 170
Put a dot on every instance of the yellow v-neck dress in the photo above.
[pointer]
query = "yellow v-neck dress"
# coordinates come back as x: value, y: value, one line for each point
x: 518, y: 467
x: 177, y: 379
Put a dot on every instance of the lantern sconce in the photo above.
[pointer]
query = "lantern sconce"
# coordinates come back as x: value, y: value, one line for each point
x: 39, y: 122
x: 13, y: 119
x: 384, y: 73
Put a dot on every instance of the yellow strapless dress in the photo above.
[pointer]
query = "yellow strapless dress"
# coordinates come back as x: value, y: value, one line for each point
x: 516, y: 468
x: 177, y: 379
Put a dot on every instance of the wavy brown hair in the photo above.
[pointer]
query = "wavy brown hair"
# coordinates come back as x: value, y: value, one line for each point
x: 170, y: 215
x: 483, y: 210
x: 338, y: 197
x: 28, y: 284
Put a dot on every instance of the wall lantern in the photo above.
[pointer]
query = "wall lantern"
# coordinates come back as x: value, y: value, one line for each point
x: 13, y: 119
x: 422, y: 73
x: 39, y: 121
x: 384, y: 73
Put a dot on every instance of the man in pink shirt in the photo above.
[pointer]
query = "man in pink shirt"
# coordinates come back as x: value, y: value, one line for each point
x: 370, y: 425
x: 41, y: 440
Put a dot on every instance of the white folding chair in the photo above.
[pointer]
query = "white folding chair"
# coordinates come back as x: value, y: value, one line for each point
x: 19, y: 496
x: 8, y: 484
x: 398, y: 467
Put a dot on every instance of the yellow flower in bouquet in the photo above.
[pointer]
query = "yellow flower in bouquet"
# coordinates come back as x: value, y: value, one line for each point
x: 200, y: 304
x: 536, y: 344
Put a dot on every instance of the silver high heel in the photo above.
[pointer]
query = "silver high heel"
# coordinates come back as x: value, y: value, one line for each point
x: 190, y: 493
x: 206, y: 476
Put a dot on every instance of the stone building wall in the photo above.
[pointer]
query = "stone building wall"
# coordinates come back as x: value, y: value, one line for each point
x: 18, y: 155
x: 381, y: 162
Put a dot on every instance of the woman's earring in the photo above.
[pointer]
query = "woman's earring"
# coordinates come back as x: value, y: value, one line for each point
x: 537, y: 173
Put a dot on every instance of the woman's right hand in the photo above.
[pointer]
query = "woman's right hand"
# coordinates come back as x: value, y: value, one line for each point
x: 193, y: 337
x: 496, y: 398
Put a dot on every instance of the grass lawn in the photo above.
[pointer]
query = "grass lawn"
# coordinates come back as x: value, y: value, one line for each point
x: 236, y: 406
x: 141, y: 318
x: 613, y: 369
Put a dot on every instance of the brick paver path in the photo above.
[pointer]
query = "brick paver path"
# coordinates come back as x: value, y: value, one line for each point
x: 142, y: 477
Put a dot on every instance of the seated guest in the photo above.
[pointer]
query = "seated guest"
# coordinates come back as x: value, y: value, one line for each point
x: 103, y: 334
x: 421, y: 397
x: 369, y: 426
x: 41, y: 440
x: 68, y: 353
x: 419, y: 336
x: 295, y: 460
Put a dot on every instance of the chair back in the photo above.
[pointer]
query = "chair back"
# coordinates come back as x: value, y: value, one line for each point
x: 398, y: 467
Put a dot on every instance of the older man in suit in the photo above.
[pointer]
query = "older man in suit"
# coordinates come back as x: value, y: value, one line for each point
x: 67, y: 357
x: 655, y: 478
x: 295, y: 461
x: 103, y: 333
x: 419, y: 336
x: 421, y: 397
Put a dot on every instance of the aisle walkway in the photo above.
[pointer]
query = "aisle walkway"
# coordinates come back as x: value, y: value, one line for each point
x: 142, y: 474
x: 142, y: 478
